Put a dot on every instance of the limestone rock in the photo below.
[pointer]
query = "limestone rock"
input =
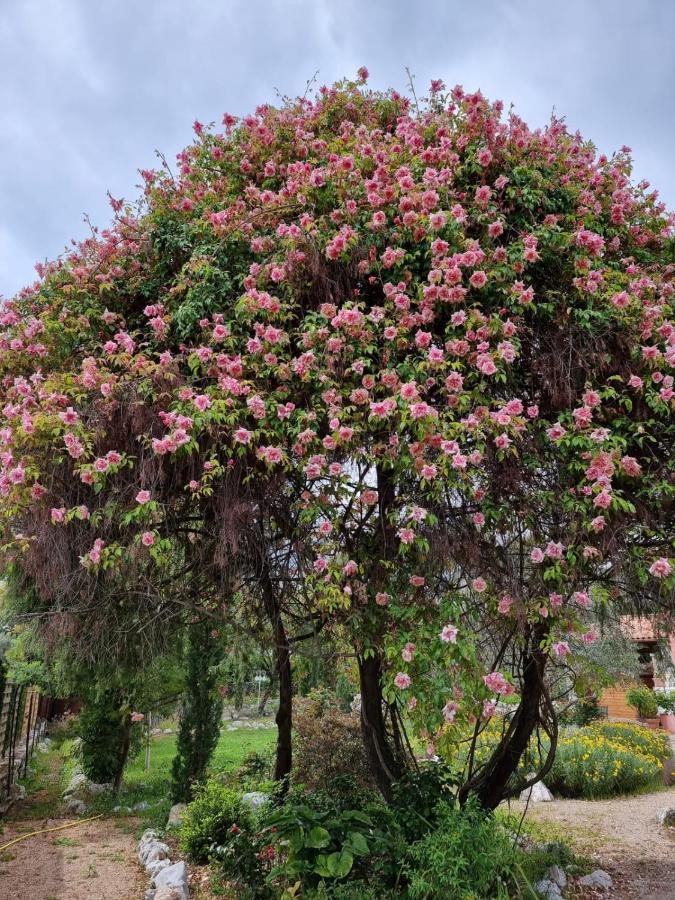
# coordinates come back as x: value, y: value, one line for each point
x: 666, y: 816
x: 174, y: 876
x: 255, y: 799
x: 176, y: 815
x: 152, y: 851
x: 598, y: 879
x: 538, y: 793
x: 17, y: 792
x: 75, y: 807
x: 76, y: 783
x: 154, y: 868
x: 548, y: 889
x: 170, y: 892
x: 557, y: 875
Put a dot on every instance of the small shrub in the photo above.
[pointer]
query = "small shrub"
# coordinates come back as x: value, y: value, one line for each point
x: 666, y: 700
x: 328, y: 744
x: 416, y: 796
x: 240, y: 862
x: 466, y: 856
x: 209, y: 820
x: 255, y: 769
x: 586, y: 711
x: 319, y: 842
x: 643, y: 700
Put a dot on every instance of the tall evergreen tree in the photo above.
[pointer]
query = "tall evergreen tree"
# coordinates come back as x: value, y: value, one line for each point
x: 201, y: 711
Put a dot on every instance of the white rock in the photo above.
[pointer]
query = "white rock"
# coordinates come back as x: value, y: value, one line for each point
x: 557, y: 875
x: 76, y: 807
x: 97, y: 789
x: 666, y: 816
x: 597, y: 879
x: 141, y: 807
x: 78, y: 781
x: 255, y: 799
x: 548, y: 889
x: 152, y: 851
x: 538, y: 793
x: 170, y: 892
x: 148, y: 835
x: 154, y: 868
x: 174, y: 876
x: 176, y: 815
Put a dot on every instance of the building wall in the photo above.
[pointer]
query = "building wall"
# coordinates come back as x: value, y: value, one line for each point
x: 617, y: 707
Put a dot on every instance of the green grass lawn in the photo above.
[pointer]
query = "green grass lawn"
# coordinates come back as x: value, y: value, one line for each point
x: 154, y: 786
x: 232, y: 747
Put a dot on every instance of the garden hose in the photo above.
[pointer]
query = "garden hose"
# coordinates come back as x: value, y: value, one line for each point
x: 22, y: 837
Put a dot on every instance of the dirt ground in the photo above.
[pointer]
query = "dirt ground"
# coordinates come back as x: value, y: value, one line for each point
x: 623, y: 837
x: 92, y: 861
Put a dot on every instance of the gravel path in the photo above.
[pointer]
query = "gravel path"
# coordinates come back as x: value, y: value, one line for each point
x: 623, y: 837
x: 95, y: 860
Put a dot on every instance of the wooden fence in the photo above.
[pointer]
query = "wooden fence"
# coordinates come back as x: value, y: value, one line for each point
x: 23, y: 719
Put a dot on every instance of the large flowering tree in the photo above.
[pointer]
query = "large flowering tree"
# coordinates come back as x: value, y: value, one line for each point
x: 418, y: 349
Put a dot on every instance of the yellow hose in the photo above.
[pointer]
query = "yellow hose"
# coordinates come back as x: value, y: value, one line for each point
x: 22, y: 837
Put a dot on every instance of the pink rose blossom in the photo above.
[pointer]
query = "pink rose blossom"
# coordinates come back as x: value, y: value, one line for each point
x: 661, y: 568
x: 402, y: 680
x: 449, y: 634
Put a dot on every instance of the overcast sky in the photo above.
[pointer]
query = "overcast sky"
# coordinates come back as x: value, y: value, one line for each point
x: 89, y: 89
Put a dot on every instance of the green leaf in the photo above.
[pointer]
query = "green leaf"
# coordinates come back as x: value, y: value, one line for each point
x: 340, y: 863
x: 317, y: 838
x: 357, y: 843
x: 321, y: 866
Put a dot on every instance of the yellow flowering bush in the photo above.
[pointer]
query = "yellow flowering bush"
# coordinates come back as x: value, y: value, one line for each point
x: 591, y: 765
x: 599, y: 760
x: 633, y: 737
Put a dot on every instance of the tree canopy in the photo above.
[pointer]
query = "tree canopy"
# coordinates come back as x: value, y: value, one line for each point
x: 408, y: 358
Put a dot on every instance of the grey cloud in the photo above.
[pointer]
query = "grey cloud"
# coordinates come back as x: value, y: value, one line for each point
x: 89, y: 90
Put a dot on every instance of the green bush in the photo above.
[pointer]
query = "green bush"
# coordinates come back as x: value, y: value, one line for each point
x: 102, y: 726
x: 210, y: 818
x: 240, y: 862
x: 590, y: 765
x: 644, y: 701
x: 416, y: 797
x: 586, y: 711
x: 666, y: 700
x: 256, y: 769
x: 317, y: 839
x: 467, y: 856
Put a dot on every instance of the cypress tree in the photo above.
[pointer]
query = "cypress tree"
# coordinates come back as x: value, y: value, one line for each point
x: 201, y: 712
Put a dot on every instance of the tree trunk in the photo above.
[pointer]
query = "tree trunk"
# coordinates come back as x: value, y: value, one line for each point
x: 492, y: 784
x: 265, y: 696
x: 385, y: 766
x: 284, y: 717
